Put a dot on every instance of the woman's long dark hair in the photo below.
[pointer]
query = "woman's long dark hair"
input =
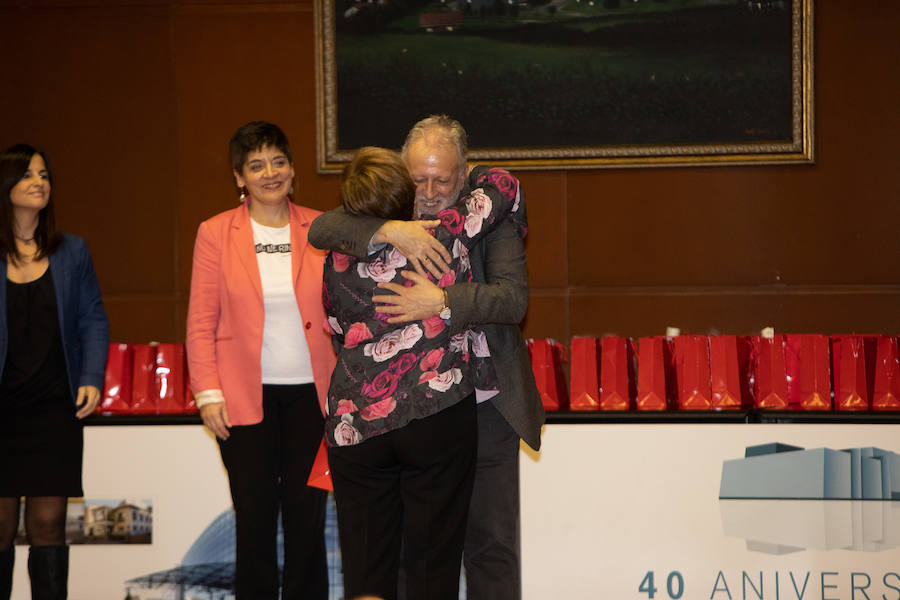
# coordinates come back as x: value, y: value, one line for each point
x: 14, y: 163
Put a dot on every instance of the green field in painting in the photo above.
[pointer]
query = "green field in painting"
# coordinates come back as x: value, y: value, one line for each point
x: 686, y: 72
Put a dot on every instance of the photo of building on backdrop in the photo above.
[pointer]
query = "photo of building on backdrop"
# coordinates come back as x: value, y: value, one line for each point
x: 571, y: 83
x: 103, y: 521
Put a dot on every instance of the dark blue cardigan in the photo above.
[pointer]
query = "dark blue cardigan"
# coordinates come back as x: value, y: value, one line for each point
x: 82, y: 320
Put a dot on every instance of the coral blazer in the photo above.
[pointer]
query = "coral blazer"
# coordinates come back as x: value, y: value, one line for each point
x: 226, y: 314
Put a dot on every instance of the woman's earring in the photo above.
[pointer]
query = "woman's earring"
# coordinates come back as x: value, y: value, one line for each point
x: 243, y: 191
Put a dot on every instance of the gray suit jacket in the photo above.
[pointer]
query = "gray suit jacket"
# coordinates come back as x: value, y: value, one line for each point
x: 497, y: 303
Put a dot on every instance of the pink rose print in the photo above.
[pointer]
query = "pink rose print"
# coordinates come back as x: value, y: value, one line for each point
x: 462, y: 253
x: 403, y: 364
x: 340, y: 261
x: 451, y: 220
x: 344, y: 407
x: 505, y: 183
x: 479, y: 343
x: 427, y: 375
x: 448, y: 278
x: 479, y: 204
x: 383, y: 384
x: 410, y: 335
x: 458, y: 343
x: 382, y: 270
x: 431, y: 360
x: 335, y: 326
x: 379, y: 410
x: 346, y: 434
x: 444, y: 381
x: 473, y: 225
x: 433, y: 326
x: 357, y: 334
x: 393, y: 342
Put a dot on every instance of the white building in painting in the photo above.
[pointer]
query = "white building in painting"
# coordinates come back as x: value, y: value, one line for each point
x: 130, y: 520
x: 127, y: 519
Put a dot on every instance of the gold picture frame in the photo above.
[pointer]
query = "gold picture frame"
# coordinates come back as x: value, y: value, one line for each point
x: 779, y: 71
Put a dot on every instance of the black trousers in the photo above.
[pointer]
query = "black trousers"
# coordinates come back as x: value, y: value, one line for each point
x: 492, y: 535
x: 268, y: 465
x: 407, y: 488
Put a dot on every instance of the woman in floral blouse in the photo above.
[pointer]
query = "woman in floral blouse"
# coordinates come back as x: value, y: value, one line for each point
x: 401, y: 422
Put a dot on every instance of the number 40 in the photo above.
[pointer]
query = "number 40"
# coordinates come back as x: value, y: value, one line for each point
x: 674, y: 585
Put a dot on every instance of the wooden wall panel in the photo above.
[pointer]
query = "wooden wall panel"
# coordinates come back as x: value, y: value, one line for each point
x: 136, y: 102
x: 93, y: 88
x: 637, y: 312
x: 232, y: 67
x: 548, y: 315
x: 143, y: 318
x: 545, y: 243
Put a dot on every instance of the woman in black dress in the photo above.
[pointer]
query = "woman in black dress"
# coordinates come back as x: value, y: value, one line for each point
x: 54, y: 337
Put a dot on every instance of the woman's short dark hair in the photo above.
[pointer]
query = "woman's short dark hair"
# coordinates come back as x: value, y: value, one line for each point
x: 254, y: 136
x: 376, y: 182
x: 14, y: 163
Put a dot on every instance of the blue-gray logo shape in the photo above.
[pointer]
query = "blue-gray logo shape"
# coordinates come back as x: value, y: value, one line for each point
x: 780, y: 471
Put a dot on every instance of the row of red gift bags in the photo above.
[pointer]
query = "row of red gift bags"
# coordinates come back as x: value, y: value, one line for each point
x: 147, y: 379
x: 695, y: 372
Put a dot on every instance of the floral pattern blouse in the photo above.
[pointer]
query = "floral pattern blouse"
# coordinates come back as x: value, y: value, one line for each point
x: 388, y: 374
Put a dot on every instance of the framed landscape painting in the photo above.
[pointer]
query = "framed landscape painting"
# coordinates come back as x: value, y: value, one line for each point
x: 559, y: 84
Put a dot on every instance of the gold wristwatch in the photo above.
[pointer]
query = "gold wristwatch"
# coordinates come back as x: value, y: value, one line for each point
x: 445, y: 310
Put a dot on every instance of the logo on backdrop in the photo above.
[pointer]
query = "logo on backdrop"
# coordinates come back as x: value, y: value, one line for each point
x: 783, y: 498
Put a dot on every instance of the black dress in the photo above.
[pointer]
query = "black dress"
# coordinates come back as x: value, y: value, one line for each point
x: 41, y: 439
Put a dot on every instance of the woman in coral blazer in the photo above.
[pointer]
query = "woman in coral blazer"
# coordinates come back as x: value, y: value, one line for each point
x: 260, y: 363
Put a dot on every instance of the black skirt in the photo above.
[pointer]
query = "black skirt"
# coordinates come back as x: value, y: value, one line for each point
x: 40, y: 452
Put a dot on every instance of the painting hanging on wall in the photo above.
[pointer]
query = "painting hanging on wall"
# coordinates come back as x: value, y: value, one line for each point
x: 558, y: 84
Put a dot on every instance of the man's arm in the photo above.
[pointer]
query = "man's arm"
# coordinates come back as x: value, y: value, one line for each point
x: 504, y: 298
x: 341, y: 231
x: 502, y: 295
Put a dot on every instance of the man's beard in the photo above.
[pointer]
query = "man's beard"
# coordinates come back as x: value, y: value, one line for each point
x: 435, y: 205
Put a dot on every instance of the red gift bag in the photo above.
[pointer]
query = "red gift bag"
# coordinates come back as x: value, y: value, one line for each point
x: 692, y: 372
x: 547, y: 357
x: 851, y: 388
x: 617, y: 373
x: 117, y: 380
x: 656, y: 380
x: 728, y: 357
x: 584, y: 390
x: 169, y: 376
x: 808, y: 371
x: 320, y: 474
x: 143, y: 382
x: 886, y: 391
x: 770, y: 380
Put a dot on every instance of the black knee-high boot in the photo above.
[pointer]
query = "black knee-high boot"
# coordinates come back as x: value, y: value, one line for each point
x: 48, y: 567
x: 7, y: 560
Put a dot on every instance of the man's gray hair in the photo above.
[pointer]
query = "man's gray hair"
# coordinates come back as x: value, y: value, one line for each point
x: 448, y: 130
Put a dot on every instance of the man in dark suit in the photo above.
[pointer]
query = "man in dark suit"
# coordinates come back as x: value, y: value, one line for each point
x: 435, y: 152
